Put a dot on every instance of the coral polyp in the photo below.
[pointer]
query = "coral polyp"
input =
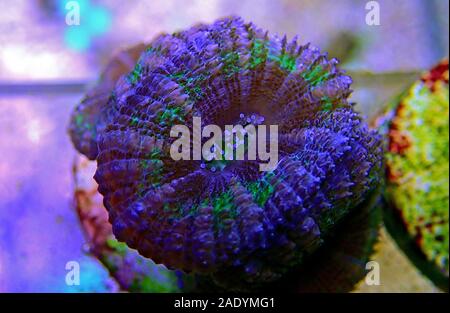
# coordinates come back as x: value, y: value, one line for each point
x: 418, y: 168
x: 227, y: 218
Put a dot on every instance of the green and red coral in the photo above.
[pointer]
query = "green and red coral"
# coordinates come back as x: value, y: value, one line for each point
x: 418, y: 164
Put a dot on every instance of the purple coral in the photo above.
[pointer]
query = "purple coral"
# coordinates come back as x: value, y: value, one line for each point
x: 227, y: 217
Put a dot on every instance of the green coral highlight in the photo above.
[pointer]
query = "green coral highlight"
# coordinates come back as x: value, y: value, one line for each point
x: 261, y: 189
x: 285, y: 61
x: 113, y: 96
x: 224, y: 202
x: 134, y: 76
x: 158, y: 278
x: 134, y: 121
x: 192, y: 85
x: 231, y: 64
x: 152, y: 168
x: 420, y: 188
x: 171, y: 115
x: 288, y: 62
x: 154, y: 50
x: 258, y: 53
x: 316, y: 76
x: 148, y: 284
x: 327, y: 104
x: 81, y: 123
x: 151, y: 159
x: 119, y: 247
x: 79, y: 120
x: 223, y: 205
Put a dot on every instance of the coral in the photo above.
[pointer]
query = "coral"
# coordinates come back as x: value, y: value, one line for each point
x: 87, y: 120
x: 130, y: 270
x: 418, y: 164
x: 221, y: 218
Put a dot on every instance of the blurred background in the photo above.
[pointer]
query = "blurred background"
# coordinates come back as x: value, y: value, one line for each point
x: 45, y: 66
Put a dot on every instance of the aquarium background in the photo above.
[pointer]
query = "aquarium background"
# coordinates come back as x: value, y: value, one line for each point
x: 46, y: 65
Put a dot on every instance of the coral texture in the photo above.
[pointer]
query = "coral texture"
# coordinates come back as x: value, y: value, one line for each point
x: 130, y: 270
x: 418, y: 164
x: 226, y: 218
